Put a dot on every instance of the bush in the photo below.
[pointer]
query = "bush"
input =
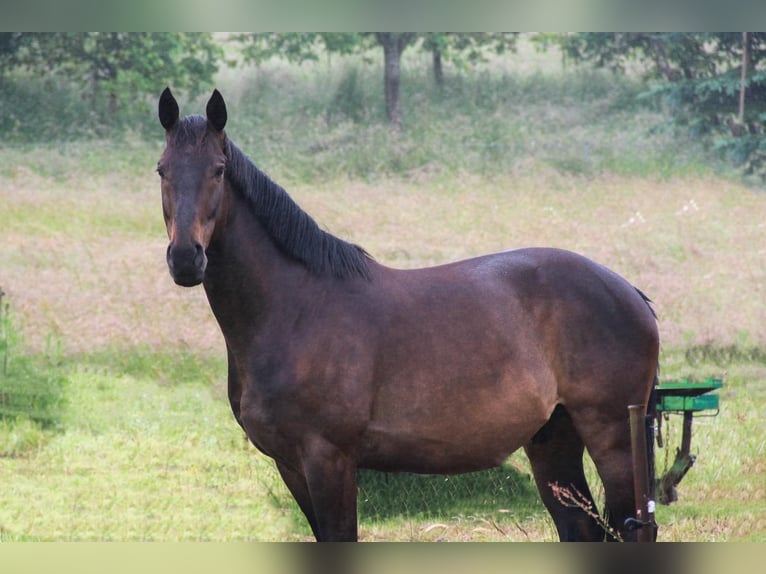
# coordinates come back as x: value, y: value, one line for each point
x: 350, y: 99
x: 19, y: 436
x: 30, y: 389
x: 52, y: 109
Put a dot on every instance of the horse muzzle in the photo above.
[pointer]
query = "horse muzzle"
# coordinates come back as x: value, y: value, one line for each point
x: 187, y: 264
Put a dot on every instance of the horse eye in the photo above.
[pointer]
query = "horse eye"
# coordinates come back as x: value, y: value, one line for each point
x: 161, y: 172
x: 218, y: 172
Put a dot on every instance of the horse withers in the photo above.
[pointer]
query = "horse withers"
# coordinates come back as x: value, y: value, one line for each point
x: 337, y: 362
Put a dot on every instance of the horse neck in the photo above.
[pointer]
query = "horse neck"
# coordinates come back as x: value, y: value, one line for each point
x: 248, y: 277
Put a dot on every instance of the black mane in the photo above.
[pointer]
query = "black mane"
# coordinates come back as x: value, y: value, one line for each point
x: 292, y: 229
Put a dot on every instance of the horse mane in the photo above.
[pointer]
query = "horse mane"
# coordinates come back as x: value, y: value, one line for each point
x: 293, y: 230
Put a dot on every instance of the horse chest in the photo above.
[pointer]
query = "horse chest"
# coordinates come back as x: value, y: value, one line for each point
x: 266, y: 421
x: 280, y: 413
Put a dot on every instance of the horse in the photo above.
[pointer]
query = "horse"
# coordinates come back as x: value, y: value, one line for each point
x: 337, y: 362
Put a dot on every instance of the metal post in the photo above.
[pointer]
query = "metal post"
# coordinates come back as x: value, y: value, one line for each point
x: 686, y: 436
x: 644, y: 506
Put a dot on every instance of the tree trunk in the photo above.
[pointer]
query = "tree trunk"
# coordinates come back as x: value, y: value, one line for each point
x: 438, y: 70
x: 393, y: 45
x: 743, y: 78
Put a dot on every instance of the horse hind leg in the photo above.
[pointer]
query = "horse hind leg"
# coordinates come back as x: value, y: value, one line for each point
x: 556, y: 457
x: 610, y: 448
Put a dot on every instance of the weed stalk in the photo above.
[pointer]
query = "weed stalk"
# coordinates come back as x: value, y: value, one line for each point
x: 4, y: 332
x: 573, y: 498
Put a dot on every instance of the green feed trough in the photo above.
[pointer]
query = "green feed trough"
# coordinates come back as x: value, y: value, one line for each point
x: 683, y: 397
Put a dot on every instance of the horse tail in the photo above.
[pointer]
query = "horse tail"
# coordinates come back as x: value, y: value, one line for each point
x: 646, y: 300
x: 651, y: 426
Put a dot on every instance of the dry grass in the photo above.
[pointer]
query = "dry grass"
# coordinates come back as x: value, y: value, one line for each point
x: 89, y: 266
x: 83, y: 260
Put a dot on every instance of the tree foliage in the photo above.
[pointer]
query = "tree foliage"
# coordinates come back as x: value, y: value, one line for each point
x: 298, y: 47
x: 118, y: 65
x: 713, y: 83
x: 465, y: 49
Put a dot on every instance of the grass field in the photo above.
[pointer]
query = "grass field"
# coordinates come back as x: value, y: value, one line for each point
x: 147, y: 448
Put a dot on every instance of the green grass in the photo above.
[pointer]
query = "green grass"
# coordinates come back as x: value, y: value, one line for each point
x: 142, y: 460
x: 516, y: 154
x: 723, y: 497
x: 430, y: 504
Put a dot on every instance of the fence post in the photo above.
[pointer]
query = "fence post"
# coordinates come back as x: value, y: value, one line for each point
x: 644, y: 506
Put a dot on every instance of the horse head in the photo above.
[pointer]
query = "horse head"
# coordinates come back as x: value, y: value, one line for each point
x: 191, y: 171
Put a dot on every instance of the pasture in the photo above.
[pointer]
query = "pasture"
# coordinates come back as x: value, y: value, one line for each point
x: 147, y: 449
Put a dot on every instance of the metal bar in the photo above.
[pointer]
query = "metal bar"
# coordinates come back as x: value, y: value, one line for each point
x: 644, y: 506
x: 686, y: 437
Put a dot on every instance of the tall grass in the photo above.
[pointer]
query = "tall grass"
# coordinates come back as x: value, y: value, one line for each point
x: 326, y: 119
x: 33, y: 397
x: 328, y: 122
x: 52, y: 109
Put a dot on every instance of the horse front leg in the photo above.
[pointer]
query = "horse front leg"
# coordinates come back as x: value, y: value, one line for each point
x: 331, y: 482
x: 296, y: 484
x: 234, y: 387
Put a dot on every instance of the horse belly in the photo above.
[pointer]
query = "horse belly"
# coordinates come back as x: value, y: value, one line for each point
x: 386, y: 451
x: 463, y: 439
x: 458, y: 390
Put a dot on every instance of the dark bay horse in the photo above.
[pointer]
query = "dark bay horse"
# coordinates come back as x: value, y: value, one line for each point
x: 337, y: 362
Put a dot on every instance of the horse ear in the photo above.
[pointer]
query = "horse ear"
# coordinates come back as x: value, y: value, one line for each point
x: 168, y: 110
x: 216, y: 111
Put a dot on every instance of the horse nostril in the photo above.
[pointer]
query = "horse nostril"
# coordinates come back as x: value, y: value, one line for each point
x: 168, y: 256
x: 199, y: 256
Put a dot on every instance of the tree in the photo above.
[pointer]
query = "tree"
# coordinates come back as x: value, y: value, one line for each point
x: 9, y: 47
x: 713, y: 83
x: 116, y: 65
x: 299, y: 47
x: 464, y: 49
x: 671, y: 56
x: 393, y: 44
